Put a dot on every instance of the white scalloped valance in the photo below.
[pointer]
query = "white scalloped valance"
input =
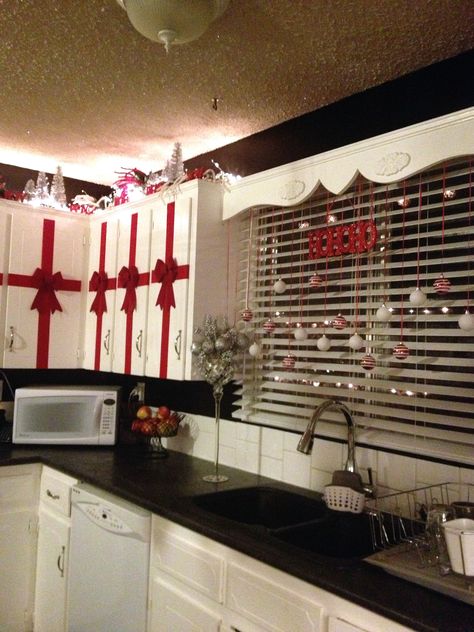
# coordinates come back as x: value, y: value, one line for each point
x: 386, y: 158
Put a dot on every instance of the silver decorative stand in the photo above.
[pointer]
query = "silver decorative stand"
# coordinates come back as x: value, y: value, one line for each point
x: 216, y: 477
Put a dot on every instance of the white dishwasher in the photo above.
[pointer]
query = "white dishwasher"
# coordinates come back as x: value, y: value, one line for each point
x: 108, y: 563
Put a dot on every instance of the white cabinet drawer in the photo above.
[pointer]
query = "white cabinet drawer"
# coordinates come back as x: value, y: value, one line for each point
x: 55, y: 491
x: 18, y: 487
x: 188, y: 561
x: 269, y: 605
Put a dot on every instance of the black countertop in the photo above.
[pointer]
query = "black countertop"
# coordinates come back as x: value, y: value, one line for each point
x: 167, y: 487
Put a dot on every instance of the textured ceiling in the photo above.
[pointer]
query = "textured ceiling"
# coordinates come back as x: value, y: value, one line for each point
x: 83, y: 89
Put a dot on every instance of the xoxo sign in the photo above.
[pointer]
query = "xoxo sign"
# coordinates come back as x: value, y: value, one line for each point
x: 334, y: 241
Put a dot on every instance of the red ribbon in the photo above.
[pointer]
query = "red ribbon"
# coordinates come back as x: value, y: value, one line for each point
x: 128, y: 278
x: 99, y: 283
x: 166, y: 274
x: 45, y: 300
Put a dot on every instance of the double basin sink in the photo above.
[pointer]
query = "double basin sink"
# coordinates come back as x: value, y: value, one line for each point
x: 302, y: 521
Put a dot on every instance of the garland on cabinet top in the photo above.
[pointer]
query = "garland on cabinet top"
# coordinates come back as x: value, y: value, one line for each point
x: 132, y: 184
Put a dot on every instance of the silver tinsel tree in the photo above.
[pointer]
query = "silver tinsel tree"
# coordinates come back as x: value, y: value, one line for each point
x: 42, y: 187
x: 30, y: 190
x: 174, y: 167
x: 58, y: 190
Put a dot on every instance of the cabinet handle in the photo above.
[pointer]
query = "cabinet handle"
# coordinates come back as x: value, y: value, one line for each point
x: 50, y: 494
x: 12, y: 339
x: 60, y: 562
x: 107, y: 342
x: 138, y: 343
x: 177, y: 345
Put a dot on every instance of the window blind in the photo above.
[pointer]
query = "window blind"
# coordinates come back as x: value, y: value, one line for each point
x: 344, y: 261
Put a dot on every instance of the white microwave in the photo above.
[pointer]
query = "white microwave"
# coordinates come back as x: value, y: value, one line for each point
x: 81, y: 415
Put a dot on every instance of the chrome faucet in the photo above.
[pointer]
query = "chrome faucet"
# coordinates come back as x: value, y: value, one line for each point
x: 305, y: 444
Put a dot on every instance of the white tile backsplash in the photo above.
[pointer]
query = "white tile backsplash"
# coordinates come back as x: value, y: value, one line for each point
x: 273, y: 453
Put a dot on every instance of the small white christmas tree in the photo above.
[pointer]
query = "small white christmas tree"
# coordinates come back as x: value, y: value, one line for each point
x: 30, y: 190
x: 42, y: 188
x: 58, y: 190
x: 174, y: 167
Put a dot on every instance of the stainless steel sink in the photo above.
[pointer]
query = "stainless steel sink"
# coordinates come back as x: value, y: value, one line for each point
x: 268, y: 507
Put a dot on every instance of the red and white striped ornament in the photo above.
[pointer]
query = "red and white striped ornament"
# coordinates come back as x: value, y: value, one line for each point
x: 400, y: 351
x: 368, y: 362
x: 269, y: 326
x: 315, y: 281
x: 247, y: 314
x: 442, y: 285
x: 289, y: 361
x: 339, y: 322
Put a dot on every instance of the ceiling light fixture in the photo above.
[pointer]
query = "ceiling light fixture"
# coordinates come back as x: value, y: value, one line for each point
x: 172, y: 21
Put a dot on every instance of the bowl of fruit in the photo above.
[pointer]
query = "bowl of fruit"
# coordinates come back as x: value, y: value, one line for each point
x: 153, y: 424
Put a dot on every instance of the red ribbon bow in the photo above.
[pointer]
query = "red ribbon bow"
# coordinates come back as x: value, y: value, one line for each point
x: 98, y: 283
x: 166, y: 274
x: 46, y: 283
x: 128, y: 278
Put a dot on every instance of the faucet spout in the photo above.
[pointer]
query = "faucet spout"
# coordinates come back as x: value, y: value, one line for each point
x: 305, y: 444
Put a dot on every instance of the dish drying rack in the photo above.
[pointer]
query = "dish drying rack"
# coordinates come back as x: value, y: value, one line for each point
x: 403, y: 548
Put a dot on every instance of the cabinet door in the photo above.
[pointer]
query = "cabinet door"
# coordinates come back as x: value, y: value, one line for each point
x: 102, y: 282
x: 51, y: 572
x: 167, y: 311
x: 339, y: 625
x: 44, y: 302
x: 132, y: 291
x: 5, y: 222
x: 173, y: 611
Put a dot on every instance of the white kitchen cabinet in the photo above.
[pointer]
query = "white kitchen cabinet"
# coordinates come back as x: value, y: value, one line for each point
x: 133, y: 274
x: 44, y: 297
x: 101, y: 294
x: 18, y: 531
x: 339, y: 625
x: 190, y: 230
x: 53, y: 551
x: 173, y: 610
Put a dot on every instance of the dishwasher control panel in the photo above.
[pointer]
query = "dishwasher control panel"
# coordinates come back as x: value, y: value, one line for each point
x: 104, y: 517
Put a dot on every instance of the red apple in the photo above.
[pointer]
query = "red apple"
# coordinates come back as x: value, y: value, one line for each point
x: 144, y: 412
x: 147, y: 427
x: 163, y: 412
x: 137, y: 425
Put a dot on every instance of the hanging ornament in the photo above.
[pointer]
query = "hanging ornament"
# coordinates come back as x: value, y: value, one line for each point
x: 442, y: 285
x: 323, y: 343
x: 289, y: 361
x: 400, y: 351
x: 223, y: 343
x: 242, y: 340
x: 383, y: 314
x: 339, y: 322
x: 449, y: 194
x: 466, y: 321
x: 279, y: 286
x: 418, y: 297
x: 356, y: 342
x: 368, y: 362
x: 246, y: 314
x: 255, y: 350
x: 300, y: 333
x: 403, y: 202
x: 269, y: 326
x: 315, y: 281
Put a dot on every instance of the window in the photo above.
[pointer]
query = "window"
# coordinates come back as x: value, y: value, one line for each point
x: 347, y: 264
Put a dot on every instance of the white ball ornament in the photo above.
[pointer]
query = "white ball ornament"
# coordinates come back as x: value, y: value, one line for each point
x: 255, y: 350
x: 418, y: 297
x: 279, y: 286
x: 466, y: 321
x: 323, y: 343
x: 383, y: 314
x: 356, y: 342
x: 300, y: 333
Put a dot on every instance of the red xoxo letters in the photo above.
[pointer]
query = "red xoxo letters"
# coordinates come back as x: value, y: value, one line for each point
x: 334, y: 241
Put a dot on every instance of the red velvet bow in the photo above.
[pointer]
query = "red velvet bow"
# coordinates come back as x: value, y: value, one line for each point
x: 166, y: 273
x: 45, y: 300
x: 128, y: 278
x: 98, y: 284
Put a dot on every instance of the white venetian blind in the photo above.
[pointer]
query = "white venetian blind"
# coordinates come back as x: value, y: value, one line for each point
x: 424, y: 231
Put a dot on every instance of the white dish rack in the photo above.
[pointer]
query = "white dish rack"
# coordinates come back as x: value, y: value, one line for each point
x: 398, y: 529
